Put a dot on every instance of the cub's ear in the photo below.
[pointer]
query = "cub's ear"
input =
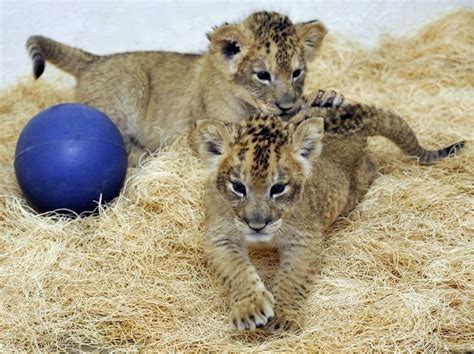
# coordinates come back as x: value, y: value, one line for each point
x: 307, y: 142
x: 209, y: 139
x: 311, y: 35
x: 230, y: 42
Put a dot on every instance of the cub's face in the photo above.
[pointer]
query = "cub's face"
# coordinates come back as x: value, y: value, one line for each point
x: 265, y: 57
x: 258, y: 168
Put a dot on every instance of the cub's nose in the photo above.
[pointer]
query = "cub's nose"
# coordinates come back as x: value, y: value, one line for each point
x: 257, y: 225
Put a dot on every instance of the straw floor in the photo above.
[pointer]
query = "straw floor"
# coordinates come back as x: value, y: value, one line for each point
x: 398, y: 272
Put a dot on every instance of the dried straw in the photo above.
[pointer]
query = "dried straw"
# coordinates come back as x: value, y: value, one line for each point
x: 398, y: 273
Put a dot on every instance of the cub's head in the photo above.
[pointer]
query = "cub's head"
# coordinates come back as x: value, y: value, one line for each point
x: 258, y: 167
x: 265, y: 56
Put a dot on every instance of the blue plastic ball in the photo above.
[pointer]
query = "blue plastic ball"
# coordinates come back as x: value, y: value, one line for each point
x: 70, y: 157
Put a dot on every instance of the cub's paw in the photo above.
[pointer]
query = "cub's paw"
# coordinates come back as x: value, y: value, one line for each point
x: 285, y: 322
x: 328, y: 99
x: 253, y: 312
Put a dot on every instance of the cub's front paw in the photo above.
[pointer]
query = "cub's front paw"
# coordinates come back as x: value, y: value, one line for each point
x: 328, y: 99
x: 285, y: 322
x: 253, y: 311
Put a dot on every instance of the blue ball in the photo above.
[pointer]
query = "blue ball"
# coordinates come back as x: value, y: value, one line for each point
x: 70, y: 156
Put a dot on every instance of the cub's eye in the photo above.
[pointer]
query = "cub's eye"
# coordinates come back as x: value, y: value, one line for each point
x: 239, y: 189
x: 277, y: 189
x: 296, y: 74
x: 264, y: 76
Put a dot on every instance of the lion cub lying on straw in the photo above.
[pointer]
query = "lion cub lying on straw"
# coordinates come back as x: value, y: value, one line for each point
x: 256, y: 65
x: 281, y: 184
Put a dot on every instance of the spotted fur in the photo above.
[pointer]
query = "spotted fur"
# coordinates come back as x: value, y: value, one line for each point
x: 264, y: 153
x: 263, y: 136
x: 275, y: 28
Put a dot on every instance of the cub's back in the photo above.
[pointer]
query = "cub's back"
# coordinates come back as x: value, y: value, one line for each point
x: 163, y: 68
x: 344, y: 150
x: 340, y: 178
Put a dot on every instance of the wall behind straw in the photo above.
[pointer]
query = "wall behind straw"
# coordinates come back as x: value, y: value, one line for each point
x: 123, y: 25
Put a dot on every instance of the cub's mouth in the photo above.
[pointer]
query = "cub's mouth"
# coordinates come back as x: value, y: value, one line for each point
x: 266, y: 234
x: 287, y: 114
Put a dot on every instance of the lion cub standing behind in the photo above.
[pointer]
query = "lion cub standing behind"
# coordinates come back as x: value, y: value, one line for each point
x: 255, y: 66
x: 280, y: 184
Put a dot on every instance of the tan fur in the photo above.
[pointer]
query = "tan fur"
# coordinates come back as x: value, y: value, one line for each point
x: 155, y: 96
x: 249, y: 163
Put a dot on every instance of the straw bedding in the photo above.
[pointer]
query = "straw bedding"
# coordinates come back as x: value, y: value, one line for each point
x: 398, y: 272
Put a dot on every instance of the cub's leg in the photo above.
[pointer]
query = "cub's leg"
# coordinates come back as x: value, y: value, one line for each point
x: 362, y: 179
x: 251, y: 302
x: 364, y: 176
x: 300, y: 258
x: 124, y: 97
x: 135, y: 153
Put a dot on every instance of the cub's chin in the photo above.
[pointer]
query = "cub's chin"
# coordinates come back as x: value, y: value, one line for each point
x: 270, y: 111
x: 254, y: 237
x: 295, y: 109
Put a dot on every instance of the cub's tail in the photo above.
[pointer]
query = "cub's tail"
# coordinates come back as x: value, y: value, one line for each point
x: 395, y: 128
x: 367, y: 120
x: 70, y: 59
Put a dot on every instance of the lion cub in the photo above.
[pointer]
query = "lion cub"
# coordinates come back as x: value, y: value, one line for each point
x: 281, y: 184
x: 255, y: 66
